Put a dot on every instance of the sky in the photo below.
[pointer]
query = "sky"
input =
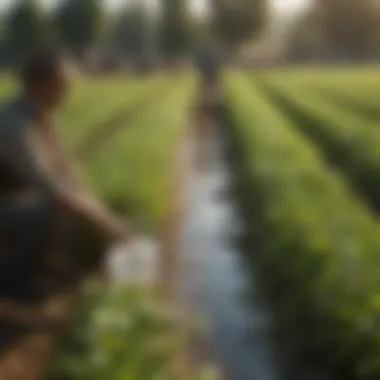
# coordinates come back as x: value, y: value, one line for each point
x: 289, y: 6
x: 282, y: 6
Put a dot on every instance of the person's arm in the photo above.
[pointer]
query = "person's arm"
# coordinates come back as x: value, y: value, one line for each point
x: 31, y: 157
x: 70, y: 175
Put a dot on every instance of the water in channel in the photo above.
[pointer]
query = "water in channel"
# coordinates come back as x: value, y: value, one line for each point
x: 214, y: 281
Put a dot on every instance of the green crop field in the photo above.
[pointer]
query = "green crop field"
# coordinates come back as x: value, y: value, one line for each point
x: 137, y: 175
x: 306, y: 149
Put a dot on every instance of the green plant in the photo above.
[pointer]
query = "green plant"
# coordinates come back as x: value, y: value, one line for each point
x: 317, y: 245
x: 119, y: 332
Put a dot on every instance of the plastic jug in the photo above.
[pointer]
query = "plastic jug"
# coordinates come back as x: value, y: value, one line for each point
x: 135, y: 262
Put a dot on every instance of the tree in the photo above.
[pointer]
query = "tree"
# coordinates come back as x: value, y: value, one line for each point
x: 26, y: 26
x: 235, y: 22
x: 81, y: 23
x: 336, y: 28
x: 306, y: 40
x: 129, y: 30
x: 175, y: 28
x: 349, y: 25
x: 375, y: 48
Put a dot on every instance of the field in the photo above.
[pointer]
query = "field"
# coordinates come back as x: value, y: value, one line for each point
x: 305, y: 150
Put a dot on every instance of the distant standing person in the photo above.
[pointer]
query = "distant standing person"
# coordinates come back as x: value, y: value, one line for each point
x: 209, y: 68
x: 38, y: 184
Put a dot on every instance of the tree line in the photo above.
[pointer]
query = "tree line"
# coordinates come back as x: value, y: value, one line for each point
x: 328, y: 29
x: 79, y: 25
x: 337, y: 29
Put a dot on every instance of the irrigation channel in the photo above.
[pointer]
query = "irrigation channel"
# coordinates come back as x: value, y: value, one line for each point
x: 214, y: 281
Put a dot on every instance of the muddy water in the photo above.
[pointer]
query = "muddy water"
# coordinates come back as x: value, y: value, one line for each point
x: 214, y: 281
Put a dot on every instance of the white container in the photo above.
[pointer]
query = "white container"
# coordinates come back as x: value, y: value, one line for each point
x: 136, y: 262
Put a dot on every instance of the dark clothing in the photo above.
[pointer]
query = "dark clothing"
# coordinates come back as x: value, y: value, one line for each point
x: 28, y: 234
x: 10, y: 182
x: 209, y: 67
x: 29, y: 176
x: 25, y: 228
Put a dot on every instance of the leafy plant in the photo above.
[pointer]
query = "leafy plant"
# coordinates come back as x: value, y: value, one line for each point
x: 119, y: 332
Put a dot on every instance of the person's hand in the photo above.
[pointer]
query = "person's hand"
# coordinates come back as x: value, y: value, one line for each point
x: 118, y: 232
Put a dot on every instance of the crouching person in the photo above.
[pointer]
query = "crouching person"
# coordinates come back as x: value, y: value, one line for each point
x: 39, y: 188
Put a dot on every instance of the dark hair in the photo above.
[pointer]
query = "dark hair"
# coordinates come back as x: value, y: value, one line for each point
x: 40, y: 65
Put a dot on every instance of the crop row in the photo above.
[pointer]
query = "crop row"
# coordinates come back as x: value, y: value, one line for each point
x: 350, y: 143
x: 316, y: 244
x: 98, y: 103
x: 132, y: 170
x: 362, y: 105
x: 356, y: 80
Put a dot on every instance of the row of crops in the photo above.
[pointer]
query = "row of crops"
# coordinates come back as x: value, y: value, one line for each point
x: 122, y: 331
x: 135, y: 178
x: 308, y: 175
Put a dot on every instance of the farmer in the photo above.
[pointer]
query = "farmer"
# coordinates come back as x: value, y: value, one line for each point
x: 38, y: 185
x: 209, y: 67
x: 208, y: 64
